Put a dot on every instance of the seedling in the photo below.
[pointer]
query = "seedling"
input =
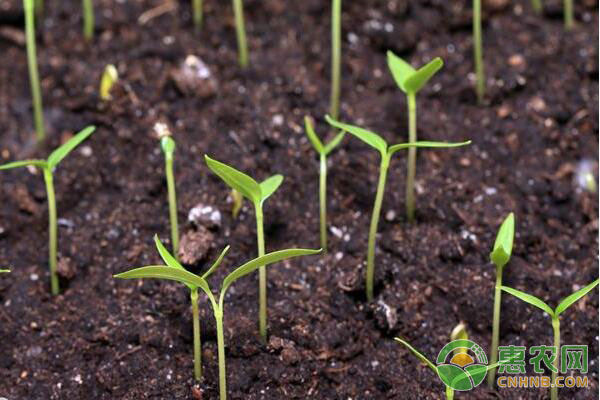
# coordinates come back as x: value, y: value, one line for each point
x: 88, y: 19
x: 410, y: 81
x: 167, y: 145
x: 48, y: 166
x: 323, y: 151
x: 500, y: 256
x: 336, y: 56
x: 386, y: 152
x: 478, y: 51
x: 257, y: 193
x: 110, y: 76
x: 4, y: 271
x: 34, y: 79
x: 563, y: 305
x: 238, y: 11
x: 568, y: 14
x: 236, y: 203
x: 175, y: 271
x: 197, y: 10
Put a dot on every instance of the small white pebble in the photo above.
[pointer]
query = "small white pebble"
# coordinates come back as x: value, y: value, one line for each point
x: 77, y: 378
x: 339, y: 255
x: 34, y: 277
x: 337, y: 232
x: 374, y: 364
x: 277, y: 120
x: 390, y: 215
x: 86, y: 151
x: 490, y: 191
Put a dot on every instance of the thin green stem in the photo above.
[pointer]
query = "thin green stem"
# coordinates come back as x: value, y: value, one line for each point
x: 385, y: 162
x: 495, y: 327
x: 172, y: 204
x: 197, y: 342
x: 88, y: 19
x: 238, y: 10
x: 34, y: 79
x: 262, y: 276
x: 197, y: 10
x: 53, y: 230
x: 478, y: 51
x: 449, y: 393
x: 412, y: 157
x: 336, y: 57
x: 568, y: 14
x: 556, y: 329
x: 537, y: 6
x: 323, y: 200
x: 221, y: 351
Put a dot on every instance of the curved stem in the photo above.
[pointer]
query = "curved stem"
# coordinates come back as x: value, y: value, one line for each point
x: 221, y: 352
x: 478, y: 51
x: 172, y: 205
x: 323, y: 200
x: 556, y: 329
x: 262, y: 277
x: 88, y: 19
x: 197, y: 10
x: 197, y: 342
x: 238, y: 10
x: 385, y: 161
x: 568, y: 11
x: 53, y: 230
x: 412, y: 157
x: 336, y: 57
x: 495, y: 327
x: 34, y: 79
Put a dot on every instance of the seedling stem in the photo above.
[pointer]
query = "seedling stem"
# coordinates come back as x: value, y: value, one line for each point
x: 197, y: 10
x: 537, y: 6
x: 336, y: 56
x: 412, y: 157
x: 88, y: 19
x: 34, y: 79
x: 323, y: 199
x: 168, y: 147
x: 53, y: 230
x: 478, y: 51
x: 197, y: 342
x: 262, y: 276
x: 568, y: 14
x: 238, y: 10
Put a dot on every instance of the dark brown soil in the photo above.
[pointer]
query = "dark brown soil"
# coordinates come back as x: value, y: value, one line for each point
x: 108, y: 339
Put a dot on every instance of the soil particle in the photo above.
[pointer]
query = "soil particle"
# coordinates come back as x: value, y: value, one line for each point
x: 195, y: 245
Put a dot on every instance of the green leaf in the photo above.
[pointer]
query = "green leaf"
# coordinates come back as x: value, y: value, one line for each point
x: 334, y: 142
x: 417, y: 354
x: 164, y: 272
x: 400, y: 69
x: 216, y: 263
x: 312, y: 136
x: 416, y: 81
x: 24, y: 163
x: 168, y: 258
x: 269, y: 186
x: 402, y: 146
x: 571, y: 299
x: 370, y: 138
x: 237, y: 180
x: 167, y: 145
x: 504, y: 242
x: 529, y: 299
x: 57, y: 155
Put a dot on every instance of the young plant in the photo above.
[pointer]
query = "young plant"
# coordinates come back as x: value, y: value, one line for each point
x: 336, y: 57
x: 175, y: 271
x: 110, y: 76
x: 34, y: 79
x: 568, y: 14
x: 563, y: 305
x: 48, y: 166
x: 257, y: 193
x: 197, y: 11
x: 386, y: 152
x: 410, y: 81
x: 167, y: 145
x: 238, y: 11
x: 478, y: 51
x: 236, y: 203
x: 88, y: 19
x: 500, y: 256
x: 323, y: 151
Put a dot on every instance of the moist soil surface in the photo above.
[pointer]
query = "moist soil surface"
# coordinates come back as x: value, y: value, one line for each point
x: 107, y: 339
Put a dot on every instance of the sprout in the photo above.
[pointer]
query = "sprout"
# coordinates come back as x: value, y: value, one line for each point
x: 238, y: 11
x: 568, y: 14
x: 537, y: 6
x: 48, y: 167
x: 336, y: 57
x: 34, y: 79
x: 167, y: 145
x: 459, y: 333
x: 88, y: 19
x: 4, y: 271
x: 110, y: 76
x: 478, y: 51
x: 410, y: 81
x: 176, y: 272
x: 500, y: 256
x: 563, y: 305
x: 386, y: 152
x: 236, y: 205
x: 257, y: 193
x: 323, y: 152
x: 197, y: 10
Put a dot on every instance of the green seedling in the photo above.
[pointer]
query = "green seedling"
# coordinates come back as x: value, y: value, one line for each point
x: 257, y: 193
x: 563, y: 305
x: 410, y: 81
x: 459, y: 333
x: 34, y: 78
x: 537, y: 6
x: 568, y: 14
x: 386, y: 152
x: 88, y: 19
x: 4, y: 271
x: 175, y: 271
x: 238, y: 11
x: 110, y: 76
x: 236, y: 203
x: 197, y: 11
x: 478, y: 51
x: 167, y: 145
x: 336, y: 57
x: 48, y: 166
x: 323, y: 151
x: 500, y: 256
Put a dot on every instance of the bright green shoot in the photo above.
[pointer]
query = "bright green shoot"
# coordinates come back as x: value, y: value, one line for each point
x: 167, y: 144
x: 110, y: 76
x: 500, y: 256
x: 4, y: 271
x: 336, y: 57
x: 197, y: 11
x: 568, y: 14
x: 410, y: 81
x: 386, y: 152
x: 34, y: 78
x: 323, y: 151
x: 88, y: 19
x: 257, y: 193
x: 48, y: 166
x: 238, y: 11
x: 175, y: 272
x: 563, y: 305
